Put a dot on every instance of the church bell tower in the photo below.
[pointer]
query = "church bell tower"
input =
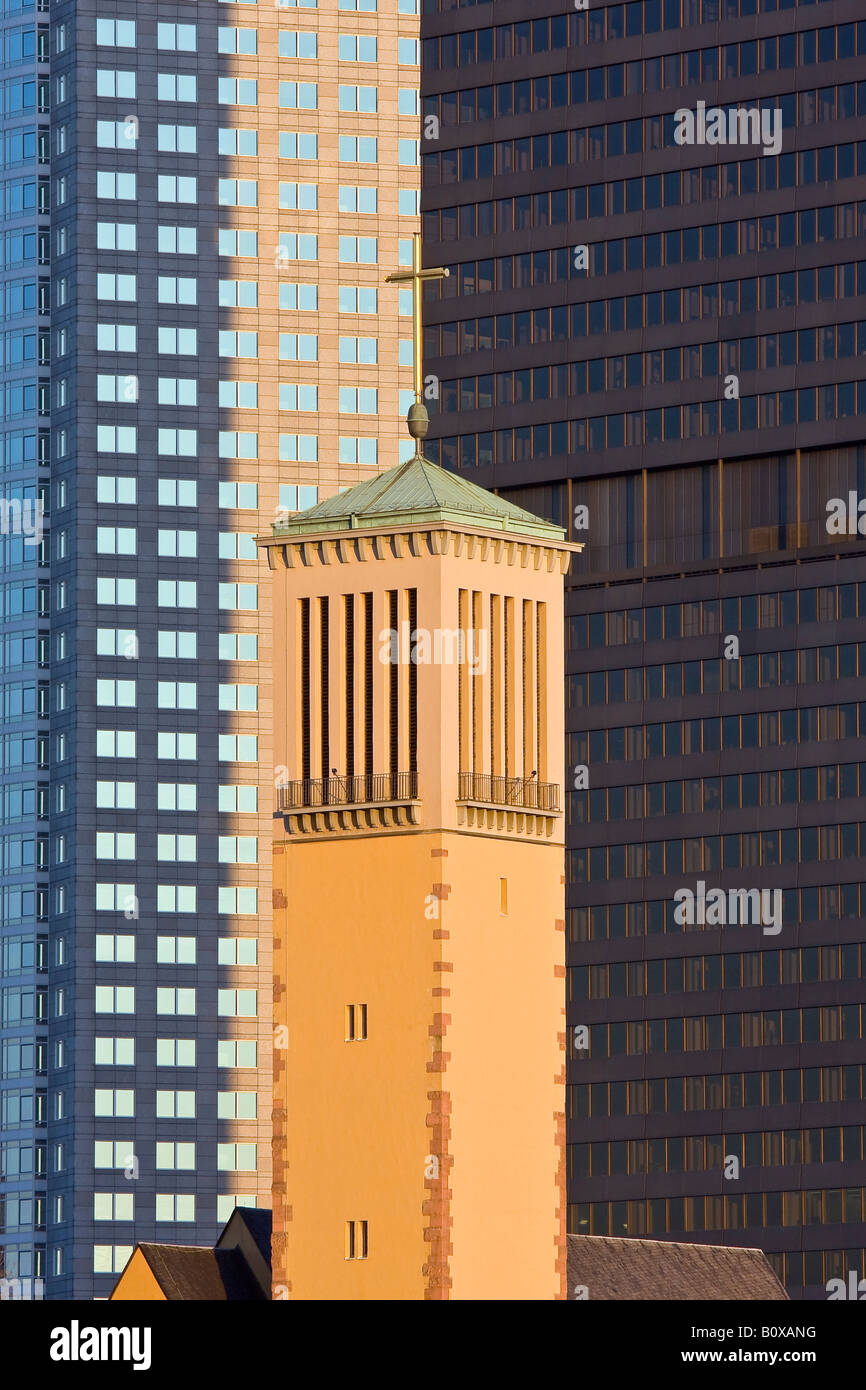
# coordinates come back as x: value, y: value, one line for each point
x: 419, y: 935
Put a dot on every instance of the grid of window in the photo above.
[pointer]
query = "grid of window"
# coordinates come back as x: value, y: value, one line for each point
x: 582, y: 86
x: 679, y: 246
x: 696, y: 795
x: 733, y: 1090
x: 710, y: 1032
x: 694, y: 618
x: 734, y: 970
x: 198, y: 602
x: 808, y: 844
x: 681, y: 305
x: 770, y: 729
x: 826, y: 903
x: 749, y: 671
x: 810, y: 1268
x: 737, y: 1211
x: 600, y: 24
x: 674, y: 188
x: 700, y: 1153
x: 834, y: 342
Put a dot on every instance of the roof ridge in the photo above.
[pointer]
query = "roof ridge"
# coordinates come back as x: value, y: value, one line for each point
x: 167, y: 1245
x: 387, y: 479
x: 425, y: 464
x: 413, y: 488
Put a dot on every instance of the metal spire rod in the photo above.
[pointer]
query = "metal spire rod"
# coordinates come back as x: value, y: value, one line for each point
x: 416, y: 275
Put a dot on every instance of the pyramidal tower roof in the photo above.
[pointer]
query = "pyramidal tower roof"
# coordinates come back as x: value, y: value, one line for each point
x: 416, y: 492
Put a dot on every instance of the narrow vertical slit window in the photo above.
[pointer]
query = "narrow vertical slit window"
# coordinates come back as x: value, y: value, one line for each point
x: 356, y: 1240
x: 305, y: 689
x: 507, y: 691
x: 477, y: 692
x: 541, y: 690
x: 464, y: 759
x: 463, y: 694
x: 393, y: 700
x: 494, y: 675
x: 528, y: 729
x: 349, y: 614
x: 413, y: 693
x: 356, y: 1022
x: 368, y: 694
x: 324, y: 669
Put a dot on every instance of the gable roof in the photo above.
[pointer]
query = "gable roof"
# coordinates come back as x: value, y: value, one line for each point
x: 616, y: 1268
x: 198, y: 1273
x: 248, y: 1231
x: 416, y: 491
x: 259, y: 1222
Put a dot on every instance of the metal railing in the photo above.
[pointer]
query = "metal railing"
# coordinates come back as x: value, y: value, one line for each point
x: 524, y: 792
x: 374, y: 788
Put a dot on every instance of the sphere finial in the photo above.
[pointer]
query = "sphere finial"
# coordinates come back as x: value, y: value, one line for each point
x: 418, y: 420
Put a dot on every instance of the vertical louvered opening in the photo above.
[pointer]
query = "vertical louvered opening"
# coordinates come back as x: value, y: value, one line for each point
x: 541, y: 689
x: 477, y: 689
x: 324, y: 666
x: 461, y: 692
x: 305, y: 688
x: 368, y: 689
x: 393, y: 698
x: 507, y: 619
x: 413, y: 686
x: 528, y: 731
x: 349, y: 657
x: 494, y: 675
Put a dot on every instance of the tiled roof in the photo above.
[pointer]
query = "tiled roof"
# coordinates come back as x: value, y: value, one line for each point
x: 416, y: 491
x: 195, y: 1272
x: 615, y: 1268
x: 259, y: 1222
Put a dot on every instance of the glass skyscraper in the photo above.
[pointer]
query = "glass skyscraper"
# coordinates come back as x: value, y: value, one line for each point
x: 201, y: 203
x: 653, y: 214
x: 24, y: 843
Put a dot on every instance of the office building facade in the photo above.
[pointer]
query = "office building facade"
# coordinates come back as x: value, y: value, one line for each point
x: 202, y: 202
x: 652, y: 332
x: 24, y: 764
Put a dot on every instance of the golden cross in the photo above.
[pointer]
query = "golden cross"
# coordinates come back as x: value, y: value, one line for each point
x: 416, y: 275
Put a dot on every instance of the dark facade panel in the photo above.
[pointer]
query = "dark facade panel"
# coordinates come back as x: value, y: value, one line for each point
x: 685, y: 393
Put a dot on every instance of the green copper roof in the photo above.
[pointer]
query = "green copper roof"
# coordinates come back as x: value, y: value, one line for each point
x: 416, y: 492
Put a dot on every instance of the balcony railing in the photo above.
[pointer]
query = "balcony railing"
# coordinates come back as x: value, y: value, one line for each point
x: 522, y: 792
x: 368, y: 789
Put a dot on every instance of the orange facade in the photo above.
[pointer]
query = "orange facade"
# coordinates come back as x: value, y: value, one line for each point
x: 419, y: 913
x: 137, y: 1283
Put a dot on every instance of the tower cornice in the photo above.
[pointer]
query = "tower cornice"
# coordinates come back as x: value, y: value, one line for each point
x: 416, y: 542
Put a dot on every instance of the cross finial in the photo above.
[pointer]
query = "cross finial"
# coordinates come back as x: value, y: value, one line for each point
x: 417, y: 418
